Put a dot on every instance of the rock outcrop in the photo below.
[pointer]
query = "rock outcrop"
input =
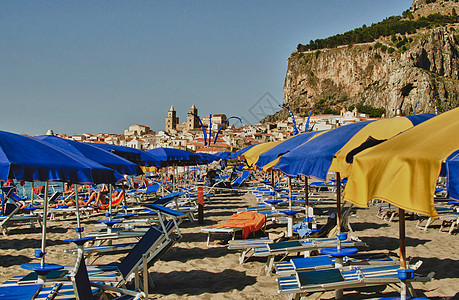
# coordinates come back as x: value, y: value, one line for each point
x: 422, y: 76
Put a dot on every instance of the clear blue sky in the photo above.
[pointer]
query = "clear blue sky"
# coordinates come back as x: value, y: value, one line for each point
x: 100, y: 66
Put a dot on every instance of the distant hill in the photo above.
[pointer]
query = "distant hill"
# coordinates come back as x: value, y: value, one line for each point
x: 409, y: 62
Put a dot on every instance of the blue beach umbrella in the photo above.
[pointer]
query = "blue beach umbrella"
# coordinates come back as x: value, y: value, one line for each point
x: 108, y: 159
x: 134, y: 155
x: 27, y: 159
x: 285, y: 147
x: 329, y: 150
x: 173, y: 156
x: 315, y: 157
x: 238, y: 153
x: 206, y: 158
x: 222, y: 155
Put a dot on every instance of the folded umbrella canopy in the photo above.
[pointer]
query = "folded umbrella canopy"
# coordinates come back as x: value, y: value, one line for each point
x: 108, y: 159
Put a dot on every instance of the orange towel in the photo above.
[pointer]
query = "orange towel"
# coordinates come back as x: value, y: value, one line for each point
x: 249, y: 221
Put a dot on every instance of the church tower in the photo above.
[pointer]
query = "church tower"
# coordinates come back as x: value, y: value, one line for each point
x: 192, y: 119
x: 171, y: 119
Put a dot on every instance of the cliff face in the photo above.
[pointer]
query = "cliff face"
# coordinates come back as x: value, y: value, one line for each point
x: 372, y: 75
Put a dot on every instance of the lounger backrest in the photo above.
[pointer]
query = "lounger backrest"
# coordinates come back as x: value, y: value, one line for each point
x: 168, y: 198
x: 153, y: 188
x: 80, y: 280
x: 143, y: 246
x: 165, y: 210
x: 240, y: 180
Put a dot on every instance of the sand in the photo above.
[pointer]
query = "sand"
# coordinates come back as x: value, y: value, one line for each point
x: 192, y: 270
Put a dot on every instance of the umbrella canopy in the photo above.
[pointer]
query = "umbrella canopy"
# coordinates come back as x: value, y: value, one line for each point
x: 315, y: 157
x: 105, y: 158
x: 251, y: 156
x: 205, y: 158
x: 404, y: 169
x: 223, y: 155
x: 134, y: 155
x: 27, y: 159
x: 238, y: 153
x: 172, y: 156
x: 271, y: 157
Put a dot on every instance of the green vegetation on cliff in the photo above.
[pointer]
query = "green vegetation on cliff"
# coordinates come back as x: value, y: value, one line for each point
x: 388, y: 27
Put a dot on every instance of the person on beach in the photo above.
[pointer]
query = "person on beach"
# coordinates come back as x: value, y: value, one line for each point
x: 100, y: 197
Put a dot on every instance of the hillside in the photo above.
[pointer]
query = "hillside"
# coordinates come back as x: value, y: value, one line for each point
x: 414, y: 65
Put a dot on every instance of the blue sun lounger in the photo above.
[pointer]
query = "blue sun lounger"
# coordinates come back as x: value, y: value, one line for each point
x: 284, y: 248
x: 11, y: 205
x: 326, y: 262
x: 344, y: 278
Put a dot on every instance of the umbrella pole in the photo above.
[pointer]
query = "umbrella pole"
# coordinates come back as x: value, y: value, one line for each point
x: 77, y: 206
x: 31, y: 194
x: 124, y: 198
x: 110, y: 202
x: 43, y: 228
x: 306, y: 197
x: 402, y: 241
x: 290, y: 216
x: 272, y: 178
x: 338, y: 206
x: 3, y: 203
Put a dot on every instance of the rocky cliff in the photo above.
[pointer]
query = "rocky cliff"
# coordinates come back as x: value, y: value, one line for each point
x: 421, y: 75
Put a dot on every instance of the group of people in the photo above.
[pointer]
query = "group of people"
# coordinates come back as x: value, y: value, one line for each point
x: 99, y: 197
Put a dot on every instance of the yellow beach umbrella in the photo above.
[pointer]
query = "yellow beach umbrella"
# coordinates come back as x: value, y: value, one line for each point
x: 380, y: 130
x: 251, y: 155
x: 290, y: 144
x: 404, y: 169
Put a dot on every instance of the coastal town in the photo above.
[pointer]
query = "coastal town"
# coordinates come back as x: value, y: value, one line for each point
x: 189, y: 135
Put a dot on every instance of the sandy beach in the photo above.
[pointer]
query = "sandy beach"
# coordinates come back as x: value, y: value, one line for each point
x: 192, y: 270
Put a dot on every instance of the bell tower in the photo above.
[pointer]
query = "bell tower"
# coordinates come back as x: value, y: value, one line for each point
x: 192, y: 119
x: 171, y: 119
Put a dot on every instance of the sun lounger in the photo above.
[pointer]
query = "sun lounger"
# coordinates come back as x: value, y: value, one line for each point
x: 450, y: 220
x: 82, y: 285
x: 326, y: 262
x: 245, y: 222
x: 344, y: 278
x: 12, y: 205
x: 98, y: 251
x: 148, y: 249
x: 296, y: 246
